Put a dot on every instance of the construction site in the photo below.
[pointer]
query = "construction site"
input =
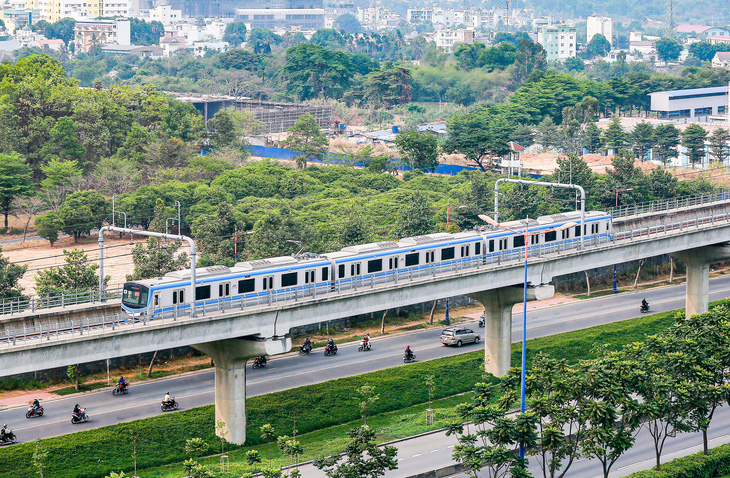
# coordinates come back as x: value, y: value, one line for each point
x: 276, y: 117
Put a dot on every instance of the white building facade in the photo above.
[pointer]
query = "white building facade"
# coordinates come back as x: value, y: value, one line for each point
x: 596, y: 25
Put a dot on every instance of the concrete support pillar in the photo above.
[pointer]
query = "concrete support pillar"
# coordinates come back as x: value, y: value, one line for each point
x: 697, y: 299
x: 230, y: 358
x: 498, y: 304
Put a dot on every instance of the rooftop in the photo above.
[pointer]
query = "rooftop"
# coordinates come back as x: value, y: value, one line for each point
x: 693, y: 91
x: 687, y: 28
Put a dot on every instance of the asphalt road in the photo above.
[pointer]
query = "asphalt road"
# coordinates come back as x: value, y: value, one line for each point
x: 196, y: 389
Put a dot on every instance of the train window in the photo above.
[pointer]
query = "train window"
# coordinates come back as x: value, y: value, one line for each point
x: 447, y: 253
x: 311, y: 277
x: 306, y: 277
x: 174, y: 297
x: 477, y: 248
x: 181, y: 296
x: 325, y: 273
x: 357, y: 268
x: 432, y: 255
x: 412, y: 259
x: 247, y: 285
x: 395, y: 263
x: 551, y: 236
x: 519, y: 241
x: 467, y: 251
x: 288, y: 280
x: 491, y: 245
x: 202, y: 292
x: 341, y: 272
x: 376, y: 265
x: 577, y: 231
x: 157, y: 299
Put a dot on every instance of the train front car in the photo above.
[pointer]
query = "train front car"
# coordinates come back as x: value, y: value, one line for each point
x: 135, y: 298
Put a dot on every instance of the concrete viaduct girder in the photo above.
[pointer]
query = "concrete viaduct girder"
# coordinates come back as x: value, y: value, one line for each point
x: 213, y: 334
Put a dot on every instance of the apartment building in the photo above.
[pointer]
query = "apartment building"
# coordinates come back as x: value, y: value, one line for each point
x: 559, y: 41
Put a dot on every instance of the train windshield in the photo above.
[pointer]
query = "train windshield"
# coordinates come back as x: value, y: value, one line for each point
x: 134, y: 296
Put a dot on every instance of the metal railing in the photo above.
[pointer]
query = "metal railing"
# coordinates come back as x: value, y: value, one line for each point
x: 60, y: 300
x: 663, y: 205
x: 93, y: 326
x: 74, y: 297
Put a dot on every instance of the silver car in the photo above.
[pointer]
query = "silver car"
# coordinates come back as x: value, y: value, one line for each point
x: 458, y: 336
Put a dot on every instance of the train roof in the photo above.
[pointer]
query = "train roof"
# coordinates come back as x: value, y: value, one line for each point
x: 199, y: 272
x: 372, y: 247
x: 268, y: 263
x: 425, y: 239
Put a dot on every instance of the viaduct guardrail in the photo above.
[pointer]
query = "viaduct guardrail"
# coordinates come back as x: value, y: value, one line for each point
x: 76, y: 297
x: 91, y: 326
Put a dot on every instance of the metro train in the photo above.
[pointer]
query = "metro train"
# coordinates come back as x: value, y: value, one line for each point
x: 314, y: 274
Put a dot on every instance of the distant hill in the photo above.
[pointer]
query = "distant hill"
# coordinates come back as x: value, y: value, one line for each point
x: 708, y: 12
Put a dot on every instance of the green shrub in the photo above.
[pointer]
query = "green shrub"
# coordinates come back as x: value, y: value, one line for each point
x: 716, y: 464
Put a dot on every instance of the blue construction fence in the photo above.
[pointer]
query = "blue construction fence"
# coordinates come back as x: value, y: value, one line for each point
x: 338, y: 158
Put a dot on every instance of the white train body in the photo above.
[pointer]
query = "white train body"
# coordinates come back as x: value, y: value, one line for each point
x: 312, y: 274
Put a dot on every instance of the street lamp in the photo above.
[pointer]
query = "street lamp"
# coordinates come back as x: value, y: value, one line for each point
x: 526, y: 234
x: 615, y: 284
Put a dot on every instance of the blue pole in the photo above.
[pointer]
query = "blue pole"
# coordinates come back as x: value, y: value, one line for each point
x: 446, y: 317
x: 524, y: 343
x: 614, y: 279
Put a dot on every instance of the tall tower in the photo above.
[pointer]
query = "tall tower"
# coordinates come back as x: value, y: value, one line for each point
x: 669, y: 21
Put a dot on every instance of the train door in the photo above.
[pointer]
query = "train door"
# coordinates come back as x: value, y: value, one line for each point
x: 224, y: 289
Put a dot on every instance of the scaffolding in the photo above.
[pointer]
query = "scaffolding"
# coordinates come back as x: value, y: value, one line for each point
x: 277, y: 117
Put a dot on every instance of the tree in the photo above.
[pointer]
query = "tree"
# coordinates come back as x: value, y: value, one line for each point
x: 469, y: 55
x: 720, y: 145
x: 156, y: 258
x: 523, y: 135
x: 668, y: 49
x: 215, y: 232
x: 693, y: 138
x: 492, y: 444
x: 530, y: 57
x: 666, y: 140
x: 40, y: 453
x: 362, y: 458
x: 591, y: 138
x: 365, y: 399
x: 388, y: 87
x: 222, y: 129
x: 598, y: 46
x: 48, y: 226
x: 64, y: 142
x: 611, y: 410
x: 416, y: 216
x: 480, y: 135
x: 14, y: 182
x: 548, y: 133
x: 574, y: 64
x: 419, y: 150
x: 143, y: 33
x: 10, y: 275
x: 614, y: 136
x: 348, y: 23
x: 312, y: 71
x: 306, y: 137
x: 642, y: 139
x: 235, y: 33
x: 83, y: 211
x: 60, y: 173
x: 77, y: 274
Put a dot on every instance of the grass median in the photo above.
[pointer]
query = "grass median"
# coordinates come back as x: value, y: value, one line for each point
x: 321, y: 413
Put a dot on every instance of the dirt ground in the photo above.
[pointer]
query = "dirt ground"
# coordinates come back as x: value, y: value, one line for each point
x: 38, y: 254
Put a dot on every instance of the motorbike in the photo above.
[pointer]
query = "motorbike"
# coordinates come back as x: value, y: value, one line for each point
x: 32, y: 412
x: 80, y: 417
x: 171, y: 405
x: 481, y: 320
x: 259, y: 362
x: 119, y: 390
x: 305, y: 349
x: 409, y: 358
x: 644, y: 308
x: 330, y: 350
x: 364, y: 346
x: 8, y: 438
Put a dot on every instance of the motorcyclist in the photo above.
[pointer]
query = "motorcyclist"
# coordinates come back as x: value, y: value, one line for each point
x: 366, y: 339
x: 408, y: 352
x: 331, y: 344
x: 36, y: 405
x: 644, y: 304
x: 4, y: 432
x: 77, y: 410
x: 307, y: 344
x: 168, y: 398
x: 122, y: 383
x: 261, y: 360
